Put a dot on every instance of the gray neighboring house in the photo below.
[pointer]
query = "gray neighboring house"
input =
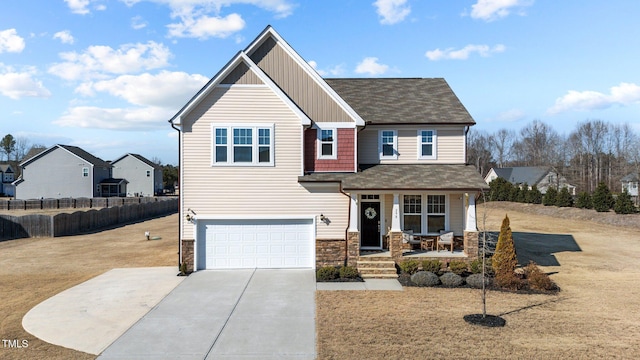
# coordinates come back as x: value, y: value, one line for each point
x: 144, y: 177
x: 62, y: 171
x: 7, y: 176
x: 542, y: 177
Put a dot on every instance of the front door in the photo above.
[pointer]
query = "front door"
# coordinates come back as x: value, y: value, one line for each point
x: 370, y: 225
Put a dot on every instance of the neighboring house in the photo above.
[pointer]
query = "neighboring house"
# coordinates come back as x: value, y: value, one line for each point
x: 65, y: 171
x: 542, y: 177
x: 630, y: 183
x: 143, y: 176
x: 7, y: 177
x: 282, y: 168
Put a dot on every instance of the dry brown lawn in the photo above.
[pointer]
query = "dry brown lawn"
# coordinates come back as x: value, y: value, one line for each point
x: 32, y: 270
x: 595, y: 316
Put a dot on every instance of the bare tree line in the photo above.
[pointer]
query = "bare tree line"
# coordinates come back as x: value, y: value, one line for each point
x: 595, y: 151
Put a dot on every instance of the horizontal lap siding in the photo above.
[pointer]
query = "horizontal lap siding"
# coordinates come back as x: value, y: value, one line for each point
x: 456, y: 213
x: 344, y: 161
x: 450, y: 146
x: 253, y: 191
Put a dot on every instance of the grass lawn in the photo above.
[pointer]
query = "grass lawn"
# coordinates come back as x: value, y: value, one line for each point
x: 33, y: 270
x: 595, y: 316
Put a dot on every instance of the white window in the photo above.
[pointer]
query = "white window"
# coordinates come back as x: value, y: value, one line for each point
x: 85, y: 172
x: 388, y: 144
x: 327, y: 144
x: 412, y: 219
x: 248, y: 145
x: 436, y: 213
x: 426, y: 144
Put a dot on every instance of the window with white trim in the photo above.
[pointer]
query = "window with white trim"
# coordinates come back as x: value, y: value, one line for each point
x: 426, y: 144
x: 243, y: 145
x: 85, y: 172
x: 388, y: 148
x: 436, y: 213
x: 412, y: 214
x: 327, y: 144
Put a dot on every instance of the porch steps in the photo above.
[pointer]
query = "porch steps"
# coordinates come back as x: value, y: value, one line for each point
x: 377, y: 268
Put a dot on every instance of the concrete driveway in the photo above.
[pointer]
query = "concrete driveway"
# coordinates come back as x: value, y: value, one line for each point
x: 228, y: 314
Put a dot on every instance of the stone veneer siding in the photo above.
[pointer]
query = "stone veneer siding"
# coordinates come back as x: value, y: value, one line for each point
x: 395, y: 246
x: 353, y: 248
x: 471, y: 244
x: 187, y: 254
x: 330, y: 252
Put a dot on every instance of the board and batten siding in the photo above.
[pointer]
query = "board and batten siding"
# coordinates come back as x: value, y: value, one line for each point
x: 450, y: 145
x: 253, y: 191
x: 297, y: 84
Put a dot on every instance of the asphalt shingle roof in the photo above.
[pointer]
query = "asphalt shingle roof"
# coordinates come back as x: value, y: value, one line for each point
x: 402, y: 100
x: 525, y: 174
x: 406, y: 177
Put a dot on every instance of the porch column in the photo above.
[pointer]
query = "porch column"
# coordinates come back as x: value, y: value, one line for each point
x: 470, y: 223
x: 395, y: 214
x: 353, y: 213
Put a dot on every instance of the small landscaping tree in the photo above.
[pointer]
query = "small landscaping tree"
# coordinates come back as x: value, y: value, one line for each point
x: 549, y: 198
x: 564, y: 198
x: 584, y: 201
x: 534, y: 196
x: 602, y: 198
x: 624, y: 204
x: 504, y: 260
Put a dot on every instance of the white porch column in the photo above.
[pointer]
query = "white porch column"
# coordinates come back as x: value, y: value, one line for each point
x: 470, y: 223
x: 395, y: 214
x: 353, y: 213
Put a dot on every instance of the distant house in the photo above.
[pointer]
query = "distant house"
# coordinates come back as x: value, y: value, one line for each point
x: 143, y: 176
x: 7, y: 176
x: 630, y: 183
x: 542, y: 177
x: 66, y: 171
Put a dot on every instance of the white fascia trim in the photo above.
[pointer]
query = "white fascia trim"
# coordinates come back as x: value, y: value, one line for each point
x: 333, y: 125
x: 270, y: 31
x: 215, y: 82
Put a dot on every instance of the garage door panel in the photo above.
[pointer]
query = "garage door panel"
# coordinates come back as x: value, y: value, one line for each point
x: 263, y: 243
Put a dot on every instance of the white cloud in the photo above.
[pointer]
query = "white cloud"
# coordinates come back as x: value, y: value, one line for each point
x: 137, y: 23
x: 19, y: 84
x: 464, y: 53
x: 143, y: 118
x: 64, y: 36
x: 371, y: 66
x: 81, y: 7
x: 167, y: 89
x: 337, y: 70
x: 96, y: 61
x: 511, y: 115
x: 204, y: 26
x: 624, y: 94
x: 392, y: 11
x: 202, y: 18
x: 10, y: 41
x: 489, y: 10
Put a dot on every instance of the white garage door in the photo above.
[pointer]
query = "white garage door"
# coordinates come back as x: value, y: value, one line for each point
x: 241, y: 244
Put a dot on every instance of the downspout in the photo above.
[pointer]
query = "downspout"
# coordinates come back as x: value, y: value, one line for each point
x: 466, y: 132
x: 179, y: 195
x: 346, y: 231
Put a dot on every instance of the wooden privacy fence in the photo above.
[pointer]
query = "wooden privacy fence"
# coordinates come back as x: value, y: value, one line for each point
x: 70, y: 203
x: 15, y: 227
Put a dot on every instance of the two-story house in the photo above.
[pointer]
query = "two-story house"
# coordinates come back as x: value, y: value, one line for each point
x: 66, y: 171
x: 7, y: 176
x: 143, y: 176
x: 282, y: 168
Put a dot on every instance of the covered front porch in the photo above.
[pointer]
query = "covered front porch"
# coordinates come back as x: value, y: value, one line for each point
x: 410, y: 224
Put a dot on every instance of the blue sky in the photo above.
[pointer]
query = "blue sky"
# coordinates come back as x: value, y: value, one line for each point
x: 106, y: 75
